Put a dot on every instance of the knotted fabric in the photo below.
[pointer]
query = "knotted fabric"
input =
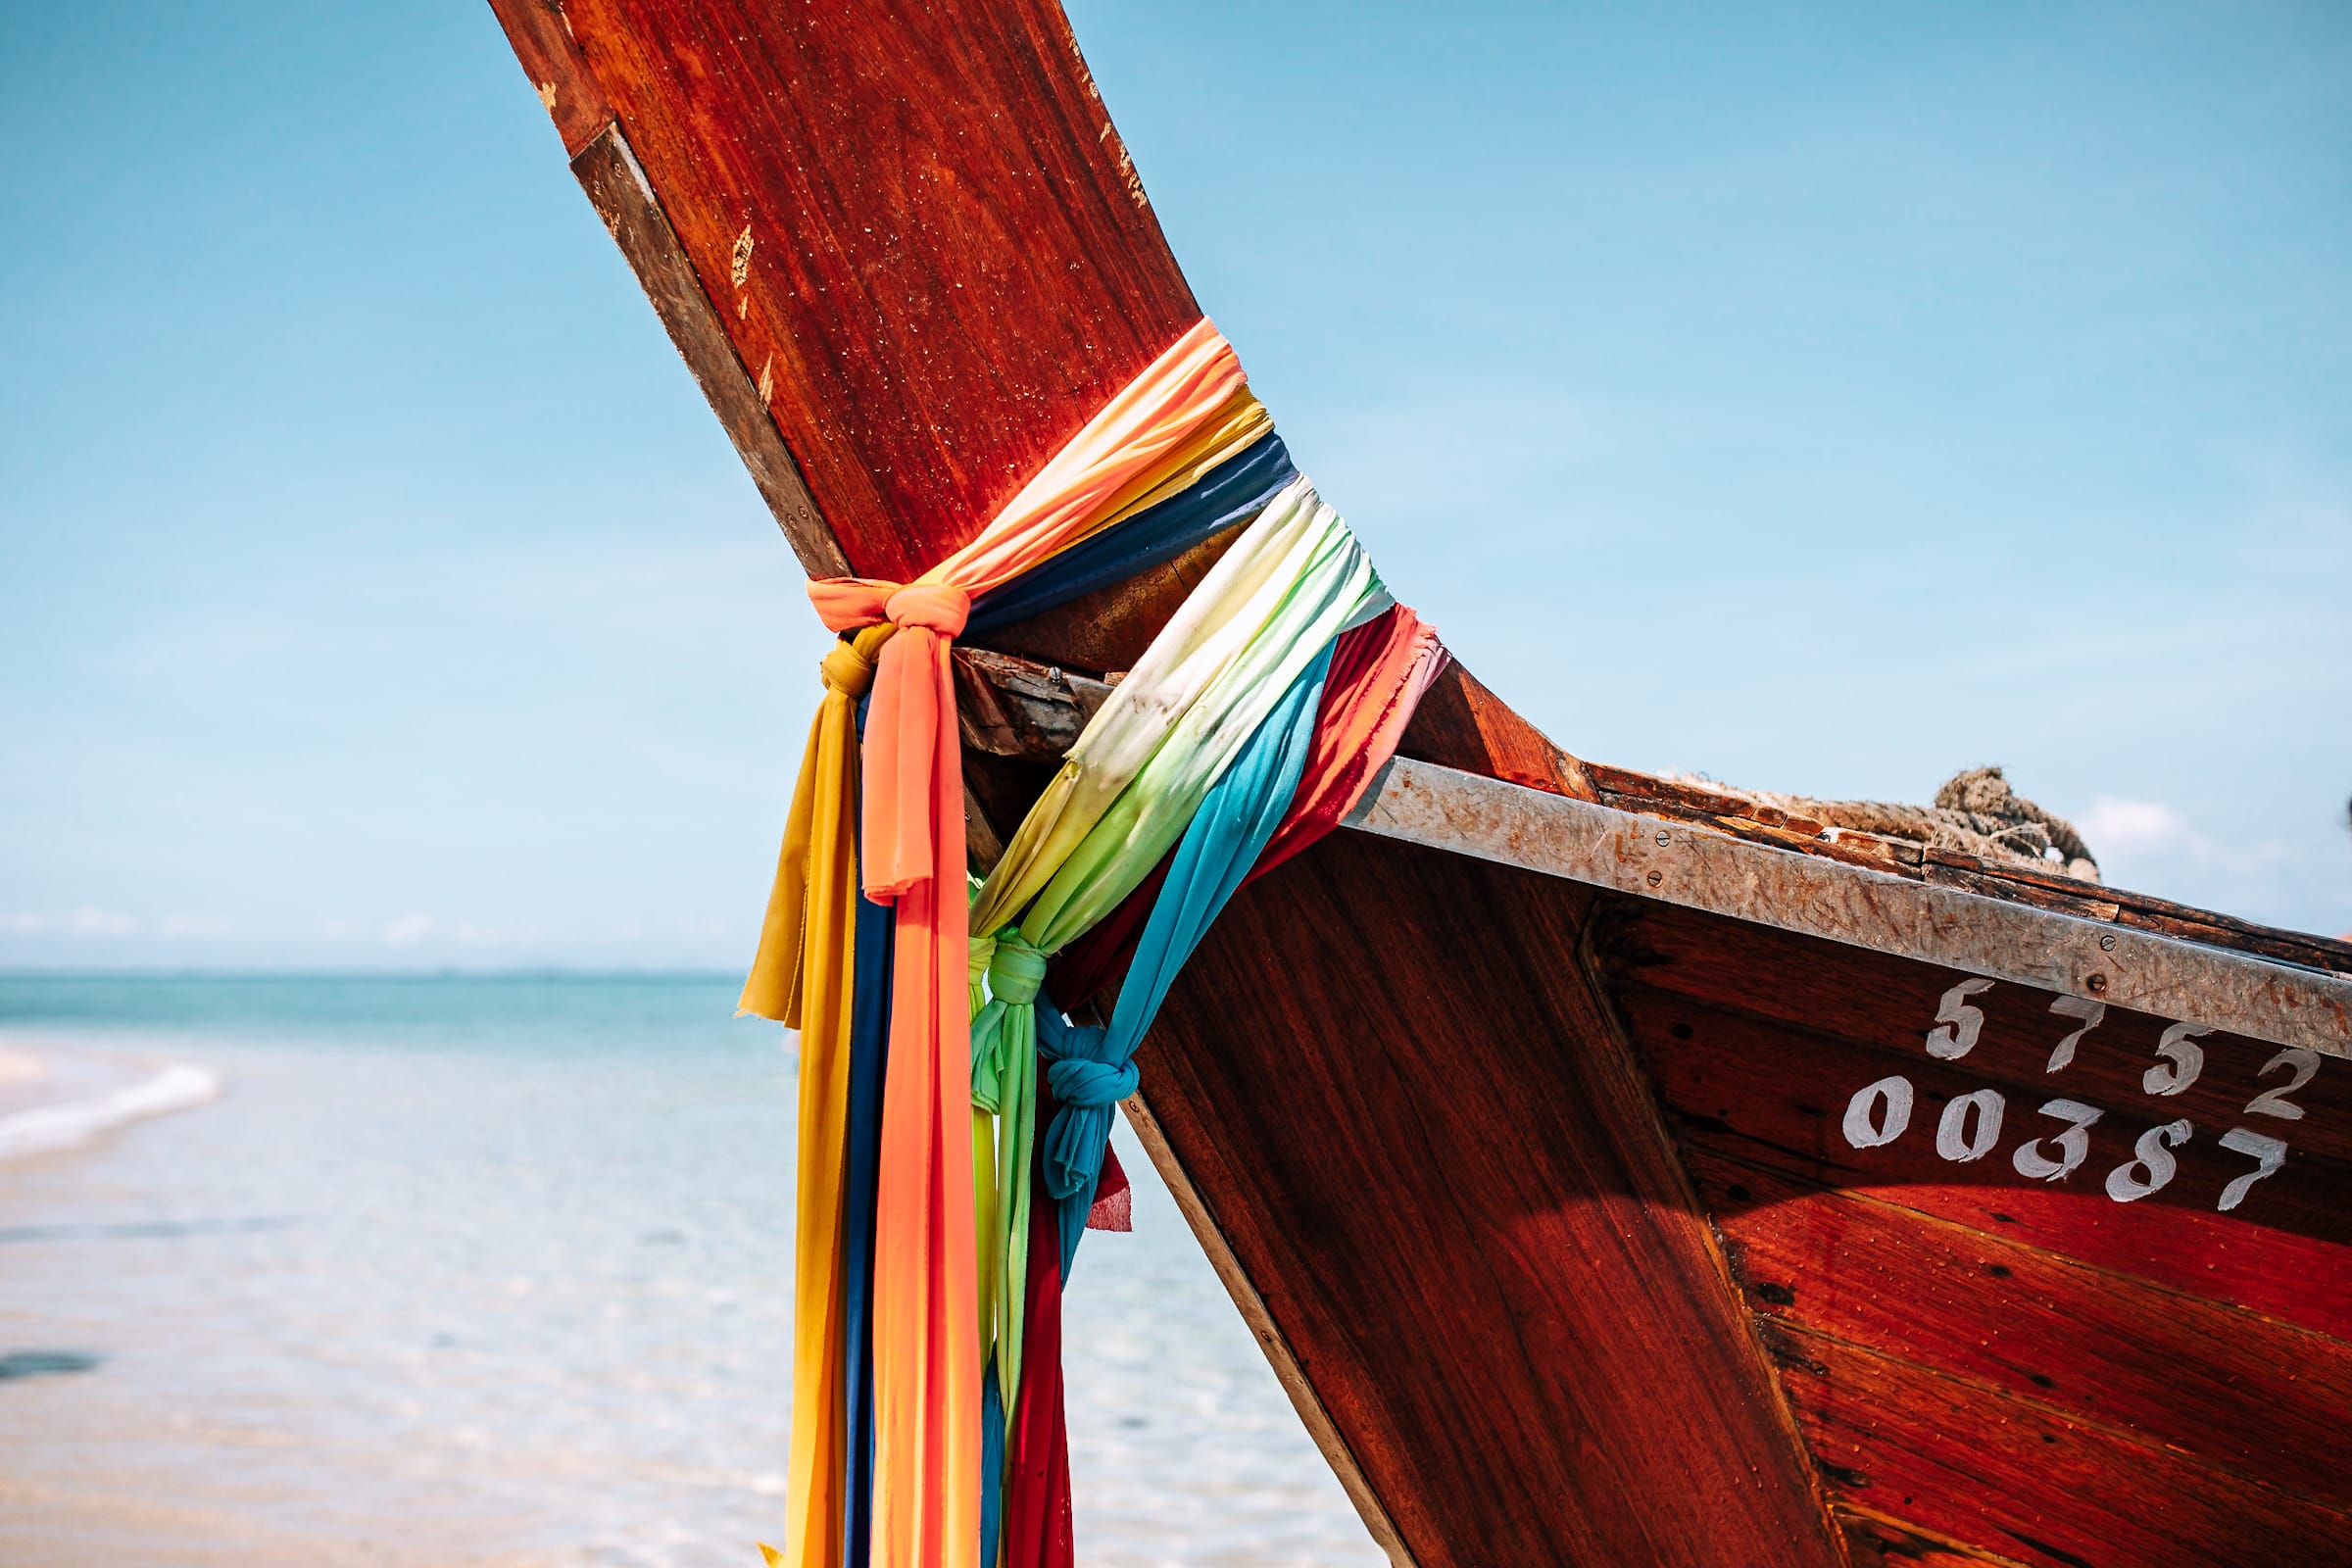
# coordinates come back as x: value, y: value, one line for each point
x: 927, y: 1361
x: 1005, y: 1085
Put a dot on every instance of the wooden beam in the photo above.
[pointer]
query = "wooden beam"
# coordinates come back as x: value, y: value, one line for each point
x: 607, y: 170
x: 1279, y: 1355
x: 1702, y: 869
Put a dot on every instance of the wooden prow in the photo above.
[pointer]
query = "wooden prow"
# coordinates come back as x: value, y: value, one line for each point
x: 921, y: 240
x: 1415, y: 1103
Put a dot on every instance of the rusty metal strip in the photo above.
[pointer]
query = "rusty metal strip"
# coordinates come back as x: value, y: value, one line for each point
x: 1702, y: 869
x: 616, y: 186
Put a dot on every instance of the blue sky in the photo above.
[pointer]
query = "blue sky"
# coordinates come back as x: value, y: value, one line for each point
x: 1823, y: 397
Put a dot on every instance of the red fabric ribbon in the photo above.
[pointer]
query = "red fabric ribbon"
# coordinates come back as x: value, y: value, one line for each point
x: 1037, y: 1459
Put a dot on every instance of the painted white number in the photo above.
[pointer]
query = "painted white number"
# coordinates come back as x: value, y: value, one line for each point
x: 2154, y: 1158
x: 1958, y: 1024
x: 2268, y: 1154
x: 2274, y: 1101
x: 2062, y: 1054
x: 2074, y: 1143
x: 2183, y: 1060
x: 1879, y: 1113
x: 1952, y: 1140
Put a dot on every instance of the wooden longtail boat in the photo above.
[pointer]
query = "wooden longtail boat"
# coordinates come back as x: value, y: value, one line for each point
x: 1657, y: 1175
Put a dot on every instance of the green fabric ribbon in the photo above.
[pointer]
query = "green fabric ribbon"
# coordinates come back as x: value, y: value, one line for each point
x: 1005, y: 1084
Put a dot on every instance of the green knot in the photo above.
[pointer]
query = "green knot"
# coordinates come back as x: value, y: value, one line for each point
x: 1015, y: 970
x: 976, y: 962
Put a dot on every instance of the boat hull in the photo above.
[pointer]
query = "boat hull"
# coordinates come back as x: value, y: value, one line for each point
x: 1539, y: 1194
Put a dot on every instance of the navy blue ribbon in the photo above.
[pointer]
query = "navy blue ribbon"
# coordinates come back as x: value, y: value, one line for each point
x: 861, y: 1159
x: 1233, y: 492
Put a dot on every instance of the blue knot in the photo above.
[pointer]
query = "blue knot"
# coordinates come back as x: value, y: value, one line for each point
x: 1078, y: 1082
x: 1086, y: 1087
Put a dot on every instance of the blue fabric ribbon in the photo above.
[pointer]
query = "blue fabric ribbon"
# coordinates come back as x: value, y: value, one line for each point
x: 1091, y: 1069
x: 992, y: 1466
x: 1233, y: 492
x: 869, y: 1055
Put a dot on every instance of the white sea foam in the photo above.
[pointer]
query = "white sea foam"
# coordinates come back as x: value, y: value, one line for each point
x: 69, y: 1124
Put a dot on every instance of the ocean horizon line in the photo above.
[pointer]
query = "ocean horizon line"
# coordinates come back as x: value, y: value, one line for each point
x: 508, y: 972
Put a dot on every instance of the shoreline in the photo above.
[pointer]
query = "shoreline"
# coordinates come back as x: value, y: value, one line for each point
x: 53, y: 1101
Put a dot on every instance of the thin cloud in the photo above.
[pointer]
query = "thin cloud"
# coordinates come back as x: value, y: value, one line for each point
x: 407, y: 930
x: 86, y: 922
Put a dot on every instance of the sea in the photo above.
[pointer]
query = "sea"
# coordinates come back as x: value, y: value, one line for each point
x: 496, y: 1270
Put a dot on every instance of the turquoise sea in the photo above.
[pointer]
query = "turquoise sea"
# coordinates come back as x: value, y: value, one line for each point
x: 445, y: 1271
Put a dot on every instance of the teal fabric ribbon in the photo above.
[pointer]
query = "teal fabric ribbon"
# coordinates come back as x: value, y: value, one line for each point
x: 1092, y: 1069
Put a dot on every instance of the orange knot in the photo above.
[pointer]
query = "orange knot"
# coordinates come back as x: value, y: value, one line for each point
x: 934, y: 606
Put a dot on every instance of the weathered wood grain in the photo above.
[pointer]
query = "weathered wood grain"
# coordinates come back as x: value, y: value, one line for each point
x: 2238, y: 1391
x: 1872, y: 1541
x: 1473, y: 1236
x: 920, y: 226
x: 1767, y: 1095
x: 1010, y: 706
x: 1961, y: 1462
x: 1880, y: 1000
x: 1462, y: 724
x: 551, y: 58
x: 2018, y: 881
x: 616, y: 188
x: 1252, y: 1307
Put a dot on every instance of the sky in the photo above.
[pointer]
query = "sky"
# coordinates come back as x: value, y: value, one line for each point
x: 1822, y: 398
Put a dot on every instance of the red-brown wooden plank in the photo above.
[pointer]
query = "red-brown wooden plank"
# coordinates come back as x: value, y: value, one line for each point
x: 2238, y: 1391
x: 1874, y: 1542
x: 543, y: 43
x: 921, y: 226
x: 1883, y: 1000
x: 2017, y: 1479
x: 1423, y: 1137
x: 1769, y: 1095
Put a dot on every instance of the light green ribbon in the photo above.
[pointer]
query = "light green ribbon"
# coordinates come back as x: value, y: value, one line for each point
x: 1005, y: 1084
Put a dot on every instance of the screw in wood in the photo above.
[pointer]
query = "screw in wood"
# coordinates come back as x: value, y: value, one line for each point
x: 1656, y: 877
x: 2097, y: 984
x: 2107, y: 944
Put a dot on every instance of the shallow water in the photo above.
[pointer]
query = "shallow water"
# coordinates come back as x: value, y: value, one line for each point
x: 497, y: 1271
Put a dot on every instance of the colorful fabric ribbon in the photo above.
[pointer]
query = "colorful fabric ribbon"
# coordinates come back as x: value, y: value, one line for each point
x: 1379, y: 671
x: 1227, y: 496
x: 920, y: 1309
x: 1092, y: 1069
x: 1186, y: 412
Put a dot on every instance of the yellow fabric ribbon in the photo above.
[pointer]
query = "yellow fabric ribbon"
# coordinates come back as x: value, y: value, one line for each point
x: 800, y: 978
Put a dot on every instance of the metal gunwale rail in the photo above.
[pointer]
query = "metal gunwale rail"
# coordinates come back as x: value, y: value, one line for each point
x: 1703, y: 868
